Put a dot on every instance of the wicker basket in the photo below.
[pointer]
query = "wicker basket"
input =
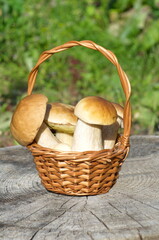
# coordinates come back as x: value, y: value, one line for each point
x: 89, y: 172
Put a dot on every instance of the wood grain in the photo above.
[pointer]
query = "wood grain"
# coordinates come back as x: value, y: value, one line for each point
x: 129, y: 211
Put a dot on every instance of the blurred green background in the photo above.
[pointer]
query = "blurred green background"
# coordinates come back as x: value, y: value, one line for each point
x: 128, y: 28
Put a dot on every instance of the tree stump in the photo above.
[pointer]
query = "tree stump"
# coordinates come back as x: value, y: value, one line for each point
x: 130, y: 210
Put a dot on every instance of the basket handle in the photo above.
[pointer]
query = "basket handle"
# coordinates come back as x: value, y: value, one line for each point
x: 110, y: 56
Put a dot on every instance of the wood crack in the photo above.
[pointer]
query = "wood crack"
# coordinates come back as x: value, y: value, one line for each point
x: 140, y: 236
x: 55, y: 219
x: 46, y: 225
x: 31, y: 214
x: 100, y: 220
x: 58, y: 234
x: 65, y: 202
x: 134, y: 219
x: 114, y: 207
x: 137, y: 200
x: 89, y: 235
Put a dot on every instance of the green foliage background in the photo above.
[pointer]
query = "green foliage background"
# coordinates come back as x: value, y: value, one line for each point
x: 128, y: 28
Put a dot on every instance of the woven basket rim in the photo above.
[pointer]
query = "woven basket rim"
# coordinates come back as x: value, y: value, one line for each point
x: 118, y: 148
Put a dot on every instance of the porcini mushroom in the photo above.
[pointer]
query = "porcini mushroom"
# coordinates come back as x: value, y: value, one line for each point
x: 110, y: 132
x: 61, y: 118
x: 93, y: 113
x: 27, y: 122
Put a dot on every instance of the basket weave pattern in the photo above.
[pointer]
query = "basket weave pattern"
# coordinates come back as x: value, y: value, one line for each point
x: 89, y: 172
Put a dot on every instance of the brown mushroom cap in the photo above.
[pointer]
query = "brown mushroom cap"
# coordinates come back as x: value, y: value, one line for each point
x: 96, y: 110
x: 60, y: 117
x: 119, y: 109
x: 28, y: 117
x: 120, y: 112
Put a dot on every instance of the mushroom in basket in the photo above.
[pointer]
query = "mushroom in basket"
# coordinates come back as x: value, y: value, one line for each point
x: 93, y: 113
x: 60, y: 117
x: 110, y: 132
x: 27, y: 122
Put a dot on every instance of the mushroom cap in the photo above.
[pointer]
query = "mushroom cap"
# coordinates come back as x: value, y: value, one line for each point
x: 96, y: 110
x: 28, y: 117
x: 119, y: 109
x: 60, y: 117
x: 120, y: 112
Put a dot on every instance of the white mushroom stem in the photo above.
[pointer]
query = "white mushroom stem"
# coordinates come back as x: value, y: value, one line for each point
x: 65, y: 138
x: 87, y: 137
x: 45, y: 137
x: 110, y: 135
x: 62, y: 147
